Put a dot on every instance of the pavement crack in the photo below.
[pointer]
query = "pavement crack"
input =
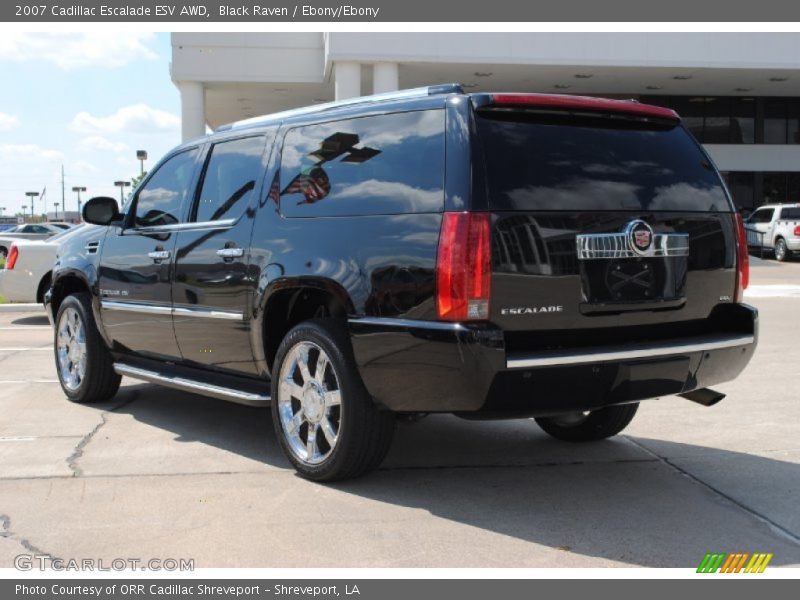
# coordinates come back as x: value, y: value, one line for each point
x: 77, y: 453
x: 6, y: 532
x: 775, y: 527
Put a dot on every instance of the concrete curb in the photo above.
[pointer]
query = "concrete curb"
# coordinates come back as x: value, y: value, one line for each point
x: 27, y: 307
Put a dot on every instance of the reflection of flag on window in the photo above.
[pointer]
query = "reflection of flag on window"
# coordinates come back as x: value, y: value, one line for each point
x: 313, y: 183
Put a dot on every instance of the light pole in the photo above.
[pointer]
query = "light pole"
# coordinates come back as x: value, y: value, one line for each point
x: 31, y: 195
x: 24, y: 208
x: 141, y: 156
x: 78, y: 189
x: 121, y: 185
x: 56, y: 205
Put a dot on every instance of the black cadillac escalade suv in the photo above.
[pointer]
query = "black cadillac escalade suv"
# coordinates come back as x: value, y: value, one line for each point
x: 489, y: 255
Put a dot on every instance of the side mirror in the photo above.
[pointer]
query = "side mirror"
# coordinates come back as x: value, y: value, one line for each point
x: 101, y: 211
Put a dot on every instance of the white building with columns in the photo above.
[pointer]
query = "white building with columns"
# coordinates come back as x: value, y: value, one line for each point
x: 739, y: 92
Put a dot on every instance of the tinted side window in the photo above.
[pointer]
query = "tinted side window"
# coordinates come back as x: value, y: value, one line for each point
x: 762, y: 216
x: 161, y: 199
x: 232, y: 172
x: 385, y: 164
x: 790, y: 213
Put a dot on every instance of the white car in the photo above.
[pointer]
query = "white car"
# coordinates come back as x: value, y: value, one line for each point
x: 775, y: 228
x: 26, y: 276
x: 31, y: 231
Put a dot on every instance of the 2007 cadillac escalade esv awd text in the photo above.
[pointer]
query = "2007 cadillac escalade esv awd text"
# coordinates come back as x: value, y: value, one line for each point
x: 488, y: 255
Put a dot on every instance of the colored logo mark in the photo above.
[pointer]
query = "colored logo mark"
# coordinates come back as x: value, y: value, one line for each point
x: 736, y: 562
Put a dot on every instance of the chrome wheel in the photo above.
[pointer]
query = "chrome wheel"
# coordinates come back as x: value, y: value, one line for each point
x: 780, y: 250
x: 71, y: 349
x: 309, y: 403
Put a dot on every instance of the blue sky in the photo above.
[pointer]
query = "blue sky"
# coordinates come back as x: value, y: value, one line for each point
x: 84, y: 100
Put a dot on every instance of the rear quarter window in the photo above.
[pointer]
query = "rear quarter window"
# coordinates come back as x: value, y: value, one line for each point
x: 790, y: 213
x: 375, y: 165
x: 554, y: 162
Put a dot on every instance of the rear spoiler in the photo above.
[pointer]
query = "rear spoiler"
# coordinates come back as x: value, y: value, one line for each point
x: 574, y: 104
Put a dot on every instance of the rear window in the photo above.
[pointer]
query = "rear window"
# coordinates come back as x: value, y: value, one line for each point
x: 555, y: 162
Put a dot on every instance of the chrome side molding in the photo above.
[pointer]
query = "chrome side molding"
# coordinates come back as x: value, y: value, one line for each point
x: 628, y: 352
x: 164, y: 309
x: 191, y: 385
x: 137, y: 307
x: 406, y: 323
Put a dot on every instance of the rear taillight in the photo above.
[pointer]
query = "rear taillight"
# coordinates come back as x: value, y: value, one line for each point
x: 464, y: 267
x: 13, y: 255
x: 797, y: 231
x: 742, y: 260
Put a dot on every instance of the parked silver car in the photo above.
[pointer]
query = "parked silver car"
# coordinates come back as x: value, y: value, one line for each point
x: 30, y: 231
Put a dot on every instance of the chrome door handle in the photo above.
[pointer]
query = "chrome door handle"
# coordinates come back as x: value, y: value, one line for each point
x: 230, y: 253
x: 158, y: 254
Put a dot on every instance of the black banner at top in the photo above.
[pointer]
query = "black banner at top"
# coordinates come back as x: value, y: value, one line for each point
x: 273, y: 11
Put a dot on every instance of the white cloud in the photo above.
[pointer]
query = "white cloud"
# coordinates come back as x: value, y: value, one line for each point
x: 83, y: 167
x: 77, y: 50
x: 98, y: 142
x: 8, y: 122
x: 137, y: 118
x: 28, y: 152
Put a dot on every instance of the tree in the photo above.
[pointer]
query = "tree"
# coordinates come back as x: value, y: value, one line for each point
x: 137, y: 179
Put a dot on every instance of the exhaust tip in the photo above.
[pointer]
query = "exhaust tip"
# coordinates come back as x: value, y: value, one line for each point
x: 704, y: 396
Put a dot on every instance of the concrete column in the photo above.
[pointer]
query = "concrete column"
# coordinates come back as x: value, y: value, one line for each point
x: 347, y: 79
x: 385, y: 78
x: 193, y: 110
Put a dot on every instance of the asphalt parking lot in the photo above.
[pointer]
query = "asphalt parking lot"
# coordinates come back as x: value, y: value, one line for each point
x: 158, y: 473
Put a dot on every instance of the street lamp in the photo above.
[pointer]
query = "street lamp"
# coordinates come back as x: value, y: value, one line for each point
x: 141, y: 156
x: 31, y: 195
x: 121, y: 185
x: 56, y: 205
x: 78, y: 189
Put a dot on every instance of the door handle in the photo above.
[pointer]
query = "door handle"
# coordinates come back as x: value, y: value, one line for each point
x: 158, y: 255
x: 230, y: 253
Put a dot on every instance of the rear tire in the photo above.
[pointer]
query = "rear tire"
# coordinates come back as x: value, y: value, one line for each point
x: 83, y: 363
x: 781, y: 250
x: 325, y: 420
x: 596, y: 425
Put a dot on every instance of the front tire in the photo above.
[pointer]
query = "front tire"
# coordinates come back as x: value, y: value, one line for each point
x: 83, y: 363
x: 781, y: 250
x: 590, y: 426
x: 326, y: 422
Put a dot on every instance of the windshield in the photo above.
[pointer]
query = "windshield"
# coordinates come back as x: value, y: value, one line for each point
x: 561, y: 162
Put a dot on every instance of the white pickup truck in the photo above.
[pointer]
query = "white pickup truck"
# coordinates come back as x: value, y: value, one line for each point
x: 776, y: 228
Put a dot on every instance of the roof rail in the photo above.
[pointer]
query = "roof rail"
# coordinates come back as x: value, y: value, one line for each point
x: 420, y: 92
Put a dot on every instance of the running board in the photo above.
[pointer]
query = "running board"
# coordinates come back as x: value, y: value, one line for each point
x: 191, y: 385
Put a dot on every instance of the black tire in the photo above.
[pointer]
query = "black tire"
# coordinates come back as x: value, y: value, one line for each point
x: 782, y: 253
x: 3, y: 251
x: 597, y: 425
x: 364, y: 430
x: 100, y: 382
